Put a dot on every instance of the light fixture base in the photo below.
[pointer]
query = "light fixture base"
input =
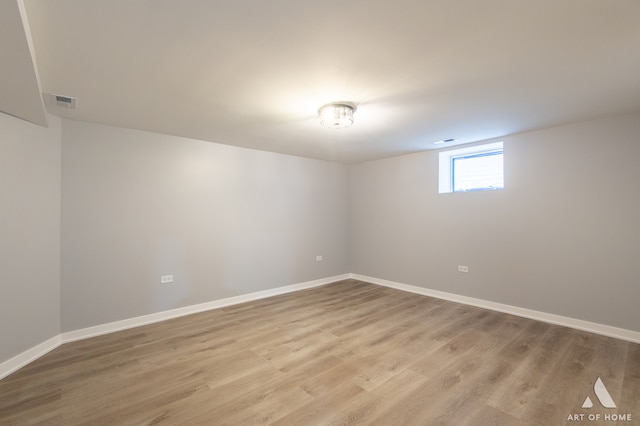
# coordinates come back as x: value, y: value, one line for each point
x: 336, y: 115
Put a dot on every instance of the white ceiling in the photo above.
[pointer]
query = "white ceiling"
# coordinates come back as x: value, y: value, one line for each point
x: 253, y: 73
x: 19, y: 86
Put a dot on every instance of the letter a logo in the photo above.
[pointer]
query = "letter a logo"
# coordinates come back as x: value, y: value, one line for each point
x: 602, y: 394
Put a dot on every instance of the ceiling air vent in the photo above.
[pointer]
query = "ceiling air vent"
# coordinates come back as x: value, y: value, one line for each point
x: 64, y: 101
x: 449, y: 140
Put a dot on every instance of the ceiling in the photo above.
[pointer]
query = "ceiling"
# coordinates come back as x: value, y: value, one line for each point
x: 19, y: 86
x: 253, y: 73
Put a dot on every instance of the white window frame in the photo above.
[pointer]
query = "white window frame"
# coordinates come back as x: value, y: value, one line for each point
x: 445, y: 179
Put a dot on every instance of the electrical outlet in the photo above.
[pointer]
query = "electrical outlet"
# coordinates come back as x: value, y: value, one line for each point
x: 318, y: 258
x: 165, y: 279
x: 462, y: 268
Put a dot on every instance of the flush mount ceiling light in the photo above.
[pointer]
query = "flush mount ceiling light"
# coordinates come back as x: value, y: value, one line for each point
x: 337, y: 115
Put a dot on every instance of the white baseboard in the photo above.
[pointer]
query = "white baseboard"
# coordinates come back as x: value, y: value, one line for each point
x: 17, y: 362
x: 111, y: 327
x: 20, y: 360
x: 605, y: 330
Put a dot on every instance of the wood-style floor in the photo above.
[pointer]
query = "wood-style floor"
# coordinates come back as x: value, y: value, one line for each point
x: 341, y: 354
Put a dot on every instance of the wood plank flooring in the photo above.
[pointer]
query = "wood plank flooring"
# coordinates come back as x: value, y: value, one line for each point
x: 343, y: 354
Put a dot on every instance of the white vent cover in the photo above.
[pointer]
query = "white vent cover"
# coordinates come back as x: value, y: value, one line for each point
x: 449, y: 140
x: 64, y: 101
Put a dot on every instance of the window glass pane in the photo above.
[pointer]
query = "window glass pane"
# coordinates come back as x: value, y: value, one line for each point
x: 477, y: 172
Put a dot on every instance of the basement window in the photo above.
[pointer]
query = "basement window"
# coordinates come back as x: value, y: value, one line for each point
x: 476, y: 168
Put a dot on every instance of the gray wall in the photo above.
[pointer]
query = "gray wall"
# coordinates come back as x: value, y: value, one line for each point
x: 224, y: 221
x: 29, y: 234
x: 563, y: 237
